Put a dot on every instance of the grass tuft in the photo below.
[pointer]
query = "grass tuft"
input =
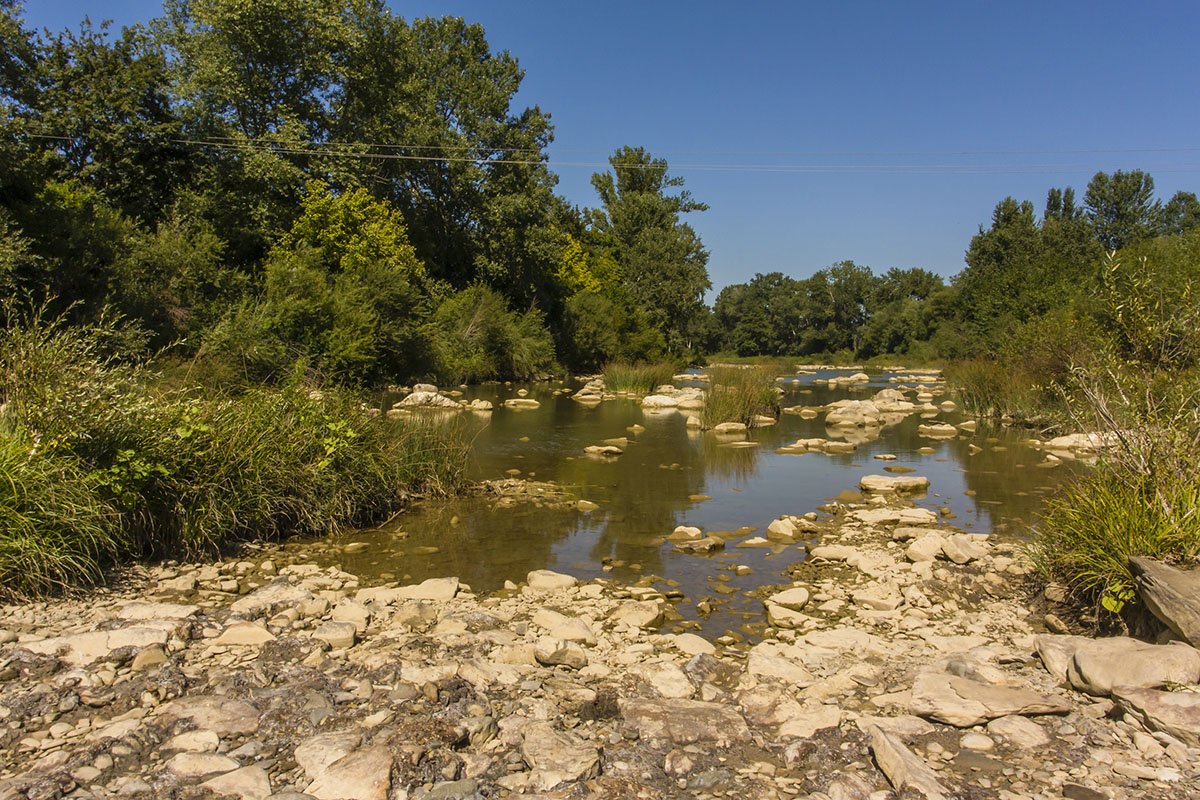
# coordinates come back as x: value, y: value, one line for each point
x: 637, y: 379
x: 738, y: 394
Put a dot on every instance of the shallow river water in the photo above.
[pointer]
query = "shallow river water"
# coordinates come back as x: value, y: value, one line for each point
x: 643, y: 494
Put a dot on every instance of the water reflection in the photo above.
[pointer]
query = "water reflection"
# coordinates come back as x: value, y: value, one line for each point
x: 655, y: 485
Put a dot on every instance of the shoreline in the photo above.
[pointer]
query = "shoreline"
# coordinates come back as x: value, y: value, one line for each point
x: 905, y: 656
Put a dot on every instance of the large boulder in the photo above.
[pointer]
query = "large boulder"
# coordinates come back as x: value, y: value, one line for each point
x: 963, y: 702
x: 1101, y: 665
x: 1171, y: 594
x: 854, y: 414
x: 428, y: 400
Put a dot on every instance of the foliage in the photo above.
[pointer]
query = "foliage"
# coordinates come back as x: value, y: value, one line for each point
x: 738, y: 394
x: 100, y: 463
x: 476, y: 337
x: 637, y: 378
x: 1122, y: 208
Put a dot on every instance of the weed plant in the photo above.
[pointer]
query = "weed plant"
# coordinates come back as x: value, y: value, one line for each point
x: 638, y: 379
x: 738, y: 394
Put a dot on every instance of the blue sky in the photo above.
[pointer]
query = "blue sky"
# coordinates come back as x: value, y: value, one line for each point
x: 880, y: 132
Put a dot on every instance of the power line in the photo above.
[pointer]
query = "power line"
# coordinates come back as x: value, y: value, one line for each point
x: 329, y: 150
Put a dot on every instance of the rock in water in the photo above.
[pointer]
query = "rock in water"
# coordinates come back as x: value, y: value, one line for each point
x: 902, y: 767
x: 1171, y: 594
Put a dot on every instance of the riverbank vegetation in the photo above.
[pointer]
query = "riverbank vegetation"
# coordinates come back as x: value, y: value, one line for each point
x: 99, y: 463
x: 639, y: 379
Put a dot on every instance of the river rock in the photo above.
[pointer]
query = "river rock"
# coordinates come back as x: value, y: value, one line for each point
x: 937, y: 430
x: 1176, y: 713
x: 244, y: 634
x: 795, y: 598
x: 1100, y: 665
x: 1057, y: 651
x: 194, y: 766
x: 638, y: 613
x: 558, y: 652
x: 426, y: 399
x: 708, y: 544
x: 782, y: 528
x: 963, y: 702
x: 560, y: 626
x: 684, y: 721
x: 361, y: 775
x: 1171, y: 594
x: 247, y: 783
x: 223, y: 715
x: 317, y: 752
x: 926, y: 547
x: 84, y: 648
x: 853, y: 414
x: 557, y: 757
x: 141, y: 610
x: 729, y: 428
x: 338, y: 635
x: 885, y: 484
x: 521, y: 403
x: 439, y: 589
x: 693, y: 645
x: 904, y: 770
x: 660, y: 401
x: 667, y: 679
x: 479, y: 405
x: 544, y: 580
x: 192, y: 742
x: 270, y: 599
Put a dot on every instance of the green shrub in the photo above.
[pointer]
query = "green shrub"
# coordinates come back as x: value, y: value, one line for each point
x: 639, y: 379
x: 476, y: 337
x: 738, y: 394
x: 995, y: 388
x: 124, y: 467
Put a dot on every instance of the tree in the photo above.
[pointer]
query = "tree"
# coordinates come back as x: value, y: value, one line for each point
x: 1181, y: 213
x: 1122, y: 208
x: 661, y: 258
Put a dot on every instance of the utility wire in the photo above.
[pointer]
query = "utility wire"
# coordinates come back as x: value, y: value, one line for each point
x: 324, y: 150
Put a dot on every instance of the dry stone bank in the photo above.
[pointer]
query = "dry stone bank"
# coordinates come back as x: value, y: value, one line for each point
x: 899, y: 658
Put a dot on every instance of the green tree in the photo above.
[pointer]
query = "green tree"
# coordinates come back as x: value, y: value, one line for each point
x: 1181, y: 213
x: 1122, y: 208
x: 661, y: 258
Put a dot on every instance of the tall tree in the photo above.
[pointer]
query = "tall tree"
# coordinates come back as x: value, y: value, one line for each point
x: 661, y: 258
x: 1181, y: 213
x: 1122, y: 208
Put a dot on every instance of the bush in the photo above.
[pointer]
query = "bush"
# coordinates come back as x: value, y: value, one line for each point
x: 995, y: 388
x: 738, y: 394
x: 476, y: 337
x: 639, y: 379
x: 102, y: 463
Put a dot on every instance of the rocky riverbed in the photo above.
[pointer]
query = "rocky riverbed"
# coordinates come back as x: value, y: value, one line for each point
x: 904, y: 659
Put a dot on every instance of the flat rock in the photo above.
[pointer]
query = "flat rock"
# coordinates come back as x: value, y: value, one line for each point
x: 557, y: 757
x: 266, y: 600
x: 141, y: 610
x: 891, y: 484
x: 361, y: 775
x: 1102, y: 664
x: 194, y: 766
x: 904, y: 770
x: 1171, y: 594
x: 247, y: 783
x: 222, y: 715
x: 794, y: 599
x: 559, y: 652
x: 1057, y: 651
x: 667, y: 679
x: 244, y: 634
x: 1176, y: 713
x: 963, y: 702
x: 432, y: 589
x: 693, y: 645
x: 544, y: 580
x: 84, y: 648
x: 1019, y: 731
x: 684, y: 721
x: 317, y: 752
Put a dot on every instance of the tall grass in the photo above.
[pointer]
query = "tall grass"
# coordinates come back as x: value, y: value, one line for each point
x: 639, y: 379
x: 738, y: 394
x: 98, y: 463
x: 1002, y: 388
x: 1142, y: 498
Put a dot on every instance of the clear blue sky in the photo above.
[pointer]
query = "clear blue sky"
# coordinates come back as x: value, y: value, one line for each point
x: 925, y: 114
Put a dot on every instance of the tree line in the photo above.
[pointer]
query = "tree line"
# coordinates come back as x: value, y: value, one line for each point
x: 321, y: 181
x: 1022, y: 271
x: 323, y: 184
